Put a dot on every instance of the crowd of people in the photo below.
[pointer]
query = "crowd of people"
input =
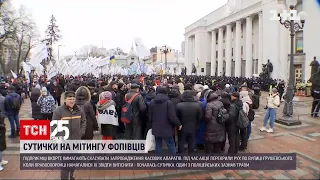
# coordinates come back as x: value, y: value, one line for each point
x: 188, y: 113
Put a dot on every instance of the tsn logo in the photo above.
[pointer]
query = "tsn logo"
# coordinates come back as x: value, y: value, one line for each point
x: 43, y: 129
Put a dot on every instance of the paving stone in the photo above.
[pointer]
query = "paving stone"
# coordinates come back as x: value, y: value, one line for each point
x: 219, y: 177
x: 231, y: 178
x: 317, y: 169
x: 137, y: 176
x: 260, y: 172
x: 300, y: 172
x: 260, y: 176
x: 280, y: 176
x: 208, y: 178
x: 156, y: 174
x: 314, y: 134
x: 243, y: 172
x: 228, y: 175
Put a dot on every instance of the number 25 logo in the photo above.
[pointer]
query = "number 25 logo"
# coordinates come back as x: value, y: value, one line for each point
x: 60, y: 127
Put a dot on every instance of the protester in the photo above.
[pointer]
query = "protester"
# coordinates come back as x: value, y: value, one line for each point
x: 12, y: 107
x: 163, y: 118
x: 75, y: 115
x: 47, y: 104
x: 36, y: 110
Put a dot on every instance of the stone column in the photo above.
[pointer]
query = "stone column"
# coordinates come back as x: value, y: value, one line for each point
x: 187, y: 53
x: 220, y: 52
x: 213, y: 52
x: 228, y: 50
x: 248, y: 47
x: 237, y: 71
x: 260, y: 44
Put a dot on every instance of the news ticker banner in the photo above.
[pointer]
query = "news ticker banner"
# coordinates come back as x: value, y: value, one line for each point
x: 82, y: 146
x: 56, y: 161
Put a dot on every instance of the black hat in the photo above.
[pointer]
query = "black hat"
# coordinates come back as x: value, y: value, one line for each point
x: 69, y: 94
x: 161, y: 90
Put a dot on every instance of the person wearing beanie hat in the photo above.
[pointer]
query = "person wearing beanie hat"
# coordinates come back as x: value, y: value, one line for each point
x: 273, y: 102
x: 121, y: 92
x: 107, y: 115
x: 164, y: 120
x: 134, y: 129
x: 47, y: 104
x: 77, y: 124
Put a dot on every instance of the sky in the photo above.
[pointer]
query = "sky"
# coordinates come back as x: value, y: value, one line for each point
x: 115, y: 23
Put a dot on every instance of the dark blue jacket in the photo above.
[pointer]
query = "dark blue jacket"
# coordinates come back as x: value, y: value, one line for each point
x: 9, y: 103
x: 202, y: 127
x: 162, y: 116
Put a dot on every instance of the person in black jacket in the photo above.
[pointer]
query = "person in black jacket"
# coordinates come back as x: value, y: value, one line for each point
x: 190, y: 113
x: 163, y: 118
x: 121, y: 92
x: 232, y: 129
x: 3, y: 143
x: 226, y: 101
x: 134, y: 129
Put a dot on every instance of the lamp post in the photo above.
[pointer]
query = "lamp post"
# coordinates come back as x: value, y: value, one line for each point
x: 165, y: 49
x: 290, y: 23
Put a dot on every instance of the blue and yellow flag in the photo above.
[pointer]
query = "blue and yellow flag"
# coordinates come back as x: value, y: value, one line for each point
x: 112, y: 59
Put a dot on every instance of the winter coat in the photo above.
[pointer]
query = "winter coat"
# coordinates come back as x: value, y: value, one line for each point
x: 108, y: 118
x: 92, y: 124
x: 163, y: 117
x: 175, y: 96
x: 135, y: 131
x: 202, y: 127
x: 189, y: 112
x: 8, y: 103
x: 235, y: 107
x: 3, y: 143
x: 77, y: 120
x: 215, y: 131
x: 35, y: 94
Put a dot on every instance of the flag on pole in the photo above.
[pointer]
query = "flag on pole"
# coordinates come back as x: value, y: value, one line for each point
x: 198, y: 63
x: 14, y: 74
x: 270, y: 89
x: 112, y: 59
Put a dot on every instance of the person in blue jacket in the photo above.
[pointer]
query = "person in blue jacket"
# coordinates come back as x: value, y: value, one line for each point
x: 200, y: 133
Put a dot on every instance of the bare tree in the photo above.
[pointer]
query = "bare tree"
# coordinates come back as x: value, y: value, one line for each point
x: 52, y: 35
x: 90, y: 50
x: 8, y: 24
x: 25, y: 37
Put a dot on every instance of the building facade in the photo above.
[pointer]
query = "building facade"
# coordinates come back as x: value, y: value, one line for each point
x: 239, y: 37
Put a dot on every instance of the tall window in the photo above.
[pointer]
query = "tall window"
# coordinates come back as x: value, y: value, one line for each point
x: 299, y: 42
x: 216, y: 54
x: 241, y: 50
x: 224, y: 52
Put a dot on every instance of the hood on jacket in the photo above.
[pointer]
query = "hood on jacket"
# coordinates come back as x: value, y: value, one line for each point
x: 150, y: 95
x: 198, y: 87
x: 187, y: 96
x: 238, y: 103
x: 174, y: 92
x: 205, y: 96
x: 246, y: 99
x: 212, y: 97
x: 160, y: 98
x: 82, y: 95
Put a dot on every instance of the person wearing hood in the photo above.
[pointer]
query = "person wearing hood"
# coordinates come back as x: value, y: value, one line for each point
x: 190, y: 113
x: 163, y: 118
x: 107, y: 116
x: 12, y: 107
x: 273, y: 102
x: 35, y: 94
x: 134, y: 129
x: 215, y: 132
x: 232, y: 129
x: 83, y: 98
x: 174, y: 95
x: 47, y: 104
x: 245, y: 132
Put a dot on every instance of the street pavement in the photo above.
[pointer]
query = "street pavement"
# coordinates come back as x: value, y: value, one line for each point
x: 303, y: 139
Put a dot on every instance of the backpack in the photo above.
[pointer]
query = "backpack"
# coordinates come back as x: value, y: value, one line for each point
x: 16, y: 103
x: 223, y: 115
x: 251, y: 114
x: 243, y: 120
x: 127, y: 110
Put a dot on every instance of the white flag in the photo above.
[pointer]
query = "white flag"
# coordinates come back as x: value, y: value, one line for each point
x: 141, y: 50
x: 40, y: 53
x: 14, y: 74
